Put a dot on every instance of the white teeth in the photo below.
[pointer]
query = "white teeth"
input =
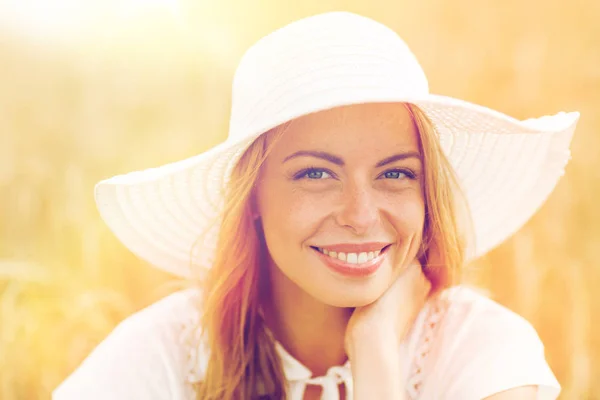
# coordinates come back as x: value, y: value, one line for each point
x: 362, y: 258
x: 352, y: 258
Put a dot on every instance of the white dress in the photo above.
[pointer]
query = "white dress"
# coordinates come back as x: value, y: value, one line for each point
x: 462, y: 346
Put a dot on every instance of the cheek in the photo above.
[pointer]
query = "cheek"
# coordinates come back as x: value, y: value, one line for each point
x: 293, y: 217
x: 288, y: 221
x: 408, y: 216
x: 289, y: 217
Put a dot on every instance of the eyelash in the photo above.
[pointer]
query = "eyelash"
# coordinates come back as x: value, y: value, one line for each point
x: 303, y: 173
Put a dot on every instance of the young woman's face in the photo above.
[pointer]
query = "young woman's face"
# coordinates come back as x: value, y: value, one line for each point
x: 346, y: 182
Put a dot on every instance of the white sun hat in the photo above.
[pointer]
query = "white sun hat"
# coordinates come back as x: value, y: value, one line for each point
x: 506, y: 167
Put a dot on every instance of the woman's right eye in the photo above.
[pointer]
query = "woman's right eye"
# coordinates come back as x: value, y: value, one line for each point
x: 313, y: 174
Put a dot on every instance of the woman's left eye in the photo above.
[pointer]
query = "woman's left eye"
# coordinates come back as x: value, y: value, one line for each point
x: 398, y: 174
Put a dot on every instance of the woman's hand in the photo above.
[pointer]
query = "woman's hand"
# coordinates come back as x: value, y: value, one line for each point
x: 390, y: 317
x: 374, y: 334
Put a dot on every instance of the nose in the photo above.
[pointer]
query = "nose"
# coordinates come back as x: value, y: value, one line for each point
x: 359, y: 211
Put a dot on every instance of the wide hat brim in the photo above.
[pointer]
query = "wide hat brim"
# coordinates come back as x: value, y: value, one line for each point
x: 169, y: 215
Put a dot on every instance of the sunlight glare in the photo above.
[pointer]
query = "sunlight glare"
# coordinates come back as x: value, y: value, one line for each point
x: 72, y: 20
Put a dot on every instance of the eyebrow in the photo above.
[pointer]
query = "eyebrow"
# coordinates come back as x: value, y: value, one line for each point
x: 339, y: 161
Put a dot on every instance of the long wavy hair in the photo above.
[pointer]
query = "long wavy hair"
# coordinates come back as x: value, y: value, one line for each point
x: 243, y: 361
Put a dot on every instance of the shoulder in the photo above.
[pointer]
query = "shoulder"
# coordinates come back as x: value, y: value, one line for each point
x: 143, y: 357
x: 471, y: 314
x: 480, y: 348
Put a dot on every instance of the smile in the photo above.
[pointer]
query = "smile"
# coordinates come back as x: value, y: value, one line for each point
x: 361, y: 263
x: 352, y: 257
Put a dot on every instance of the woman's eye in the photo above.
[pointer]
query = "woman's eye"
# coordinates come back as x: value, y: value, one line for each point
x: 398, y: 174
x: 314, y: 174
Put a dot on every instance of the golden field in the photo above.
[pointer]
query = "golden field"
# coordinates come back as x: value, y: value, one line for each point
x: 150, y: 84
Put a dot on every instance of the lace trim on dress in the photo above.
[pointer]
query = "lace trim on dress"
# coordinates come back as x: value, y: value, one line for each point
x: 190, y: 339
x: 432, y: 323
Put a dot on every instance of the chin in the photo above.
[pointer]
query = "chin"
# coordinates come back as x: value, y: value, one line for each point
x: 349, y: 298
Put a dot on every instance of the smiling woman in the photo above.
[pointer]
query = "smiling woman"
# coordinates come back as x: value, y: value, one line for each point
x: 369, y: 190
x: 325, y: 238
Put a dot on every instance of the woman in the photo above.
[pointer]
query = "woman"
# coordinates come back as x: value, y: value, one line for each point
x: 327, y: 235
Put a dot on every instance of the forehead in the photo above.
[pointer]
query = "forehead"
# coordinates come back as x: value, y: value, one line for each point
x: 361, y: 127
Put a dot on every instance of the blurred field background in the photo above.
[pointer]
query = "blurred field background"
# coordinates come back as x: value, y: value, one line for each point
x: 91, y: 89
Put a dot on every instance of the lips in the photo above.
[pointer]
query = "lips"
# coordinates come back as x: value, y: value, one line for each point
x: 353, y: 265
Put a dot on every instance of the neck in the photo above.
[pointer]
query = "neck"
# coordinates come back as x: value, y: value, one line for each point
x: 311, y: 331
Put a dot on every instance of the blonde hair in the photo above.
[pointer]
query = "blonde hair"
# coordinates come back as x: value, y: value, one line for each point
x: 243, y: 362
x: 447, y: 221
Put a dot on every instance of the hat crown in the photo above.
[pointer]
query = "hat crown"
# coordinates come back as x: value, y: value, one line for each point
x: 321, y: 54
